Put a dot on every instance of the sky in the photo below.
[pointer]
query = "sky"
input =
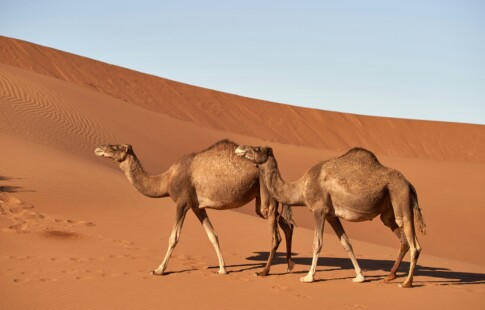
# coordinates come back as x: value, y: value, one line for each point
x: 406, y: 59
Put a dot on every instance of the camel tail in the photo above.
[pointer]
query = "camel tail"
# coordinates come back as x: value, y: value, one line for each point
x: 418, y: 216
x: 287, y: 215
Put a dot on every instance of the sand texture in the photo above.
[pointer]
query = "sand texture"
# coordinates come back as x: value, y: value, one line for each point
x: 74, y: 234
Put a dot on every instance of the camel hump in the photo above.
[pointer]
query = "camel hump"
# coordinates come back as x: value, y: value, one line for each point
x: 223, y: 144
x: 360, y: 154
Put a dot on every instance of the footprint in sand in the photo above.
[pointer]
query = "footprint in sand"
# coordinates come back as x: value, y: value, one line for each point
x: 17, y: 280
x: 25, y: 220
x: 192, y: 262
x: 281, y: 288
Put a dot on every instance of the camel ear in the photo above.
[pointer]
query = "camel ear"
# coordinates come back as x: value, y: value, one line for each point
x: 128, y: 148
x: 269, y: 151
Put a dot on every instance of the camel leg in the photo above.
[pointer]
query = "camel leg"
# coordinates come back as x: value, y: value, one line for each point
x: 275, y: 240
x: 259, y: 211
x: 174, y: 238
x: 415, y: 250
x: 389, y: 220
x: 319, y: 217
x: 339, y: 230
x: 288, y: 230
x: 211, y: 233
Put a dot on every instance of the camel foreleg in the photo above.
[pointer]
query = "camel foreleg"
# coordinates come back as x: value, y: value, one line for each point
x: 174, y: 238
x: 275, y: 237
x: 288, y: 230
x: 339, y: 230
x: 319, y: 217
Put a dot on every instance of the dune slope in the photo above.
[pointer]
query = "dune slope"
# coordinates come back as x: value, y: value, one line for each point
x: 269, y: 121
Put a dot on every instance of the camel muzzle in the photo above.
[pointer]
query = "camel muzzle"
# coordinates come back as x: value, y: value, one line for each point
x: 99, y: 151
x: 240, y: 151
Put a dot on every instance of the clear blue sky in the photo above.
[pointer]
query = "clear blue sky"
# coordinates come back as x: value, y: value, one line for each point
x: 412, y: 59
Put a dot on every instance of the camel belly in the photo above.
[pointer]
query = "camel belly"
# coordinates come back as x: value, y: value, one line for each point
x: 220, y: 204
x: 359, y: 209
x: 353, y: 215
x: 225, y: 194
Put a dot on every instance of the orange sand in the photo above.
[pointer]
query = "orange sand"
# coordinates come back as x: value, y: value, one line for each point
x: 74, y: 234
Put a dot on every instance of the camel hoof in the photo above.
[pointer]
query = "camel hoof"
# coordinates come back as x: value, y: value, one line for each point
x: 405, y: 285
x: 291, y: 265
x: 157, y: 273
x: 265, y: 213
x: 222, y: 271
x: 358, y: 279
x: 261, y: 274
x: 389, y: 278
x: 306, y: 279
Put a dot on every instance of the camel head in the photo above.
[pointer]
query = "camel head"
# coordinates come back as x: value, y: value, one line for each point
x: 257, y: 154
x: 117, y: 152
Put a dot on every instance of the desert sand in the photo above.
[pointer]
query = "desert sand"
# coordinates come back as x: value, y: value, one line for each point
x: 74, y: 234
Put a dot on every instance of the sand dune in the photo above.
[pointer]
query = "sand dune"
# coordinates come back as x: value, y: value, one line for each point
x: 269, y: 121
x: 74, y: 234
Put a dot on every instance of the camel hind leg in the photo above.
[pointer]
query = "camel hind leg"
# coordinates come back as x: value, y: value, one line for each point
x: 402, y: 205
x: 415, y: 249
x: 389, y: 220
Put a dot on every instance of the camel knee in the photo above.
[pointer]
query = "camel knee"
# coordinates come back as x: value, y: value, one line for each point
x: 346, y: 244
x: 416, y: 255
x: 416, y: 252
x: 404, y: 247
x: 174, y: 238
x: 317, y: 246
x: 276, y: 242
x: 213, y: 238
x: 418, y: 246
x: 172, y: 241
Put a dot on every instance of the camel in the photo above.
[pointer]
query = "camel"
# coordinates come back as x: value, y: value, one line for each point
x: 354, y: 187
x: 213, y: 178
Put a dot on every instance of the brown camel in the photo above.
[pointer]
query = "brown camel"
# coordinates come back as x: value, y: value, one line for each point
x: 355, y: 187
x: 213, y: 178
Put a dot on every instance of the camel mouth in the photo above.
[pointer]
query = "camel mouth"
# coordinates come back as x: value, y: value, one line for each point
x: 240, y: 151
x: 99, y: 151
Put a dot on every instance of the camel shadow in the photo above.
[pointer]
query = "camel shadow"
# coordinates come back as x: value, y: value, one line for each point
x: 241, y: 267
x: 443, y: 276
x: 11, y: 188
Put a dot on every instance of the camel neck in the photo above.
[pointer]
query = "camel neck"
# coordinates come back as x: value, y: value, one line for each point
x: 149, y: 185
x: 285, y: 193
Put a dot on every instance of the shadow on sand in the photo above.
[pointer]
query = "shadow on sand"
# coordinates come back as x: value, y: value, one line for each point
x: 11, y: 188
x: 443, y: 276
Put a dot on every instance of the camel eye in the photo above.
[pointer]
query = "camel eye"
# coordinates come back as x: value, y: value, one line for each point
x: 257, y: 149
